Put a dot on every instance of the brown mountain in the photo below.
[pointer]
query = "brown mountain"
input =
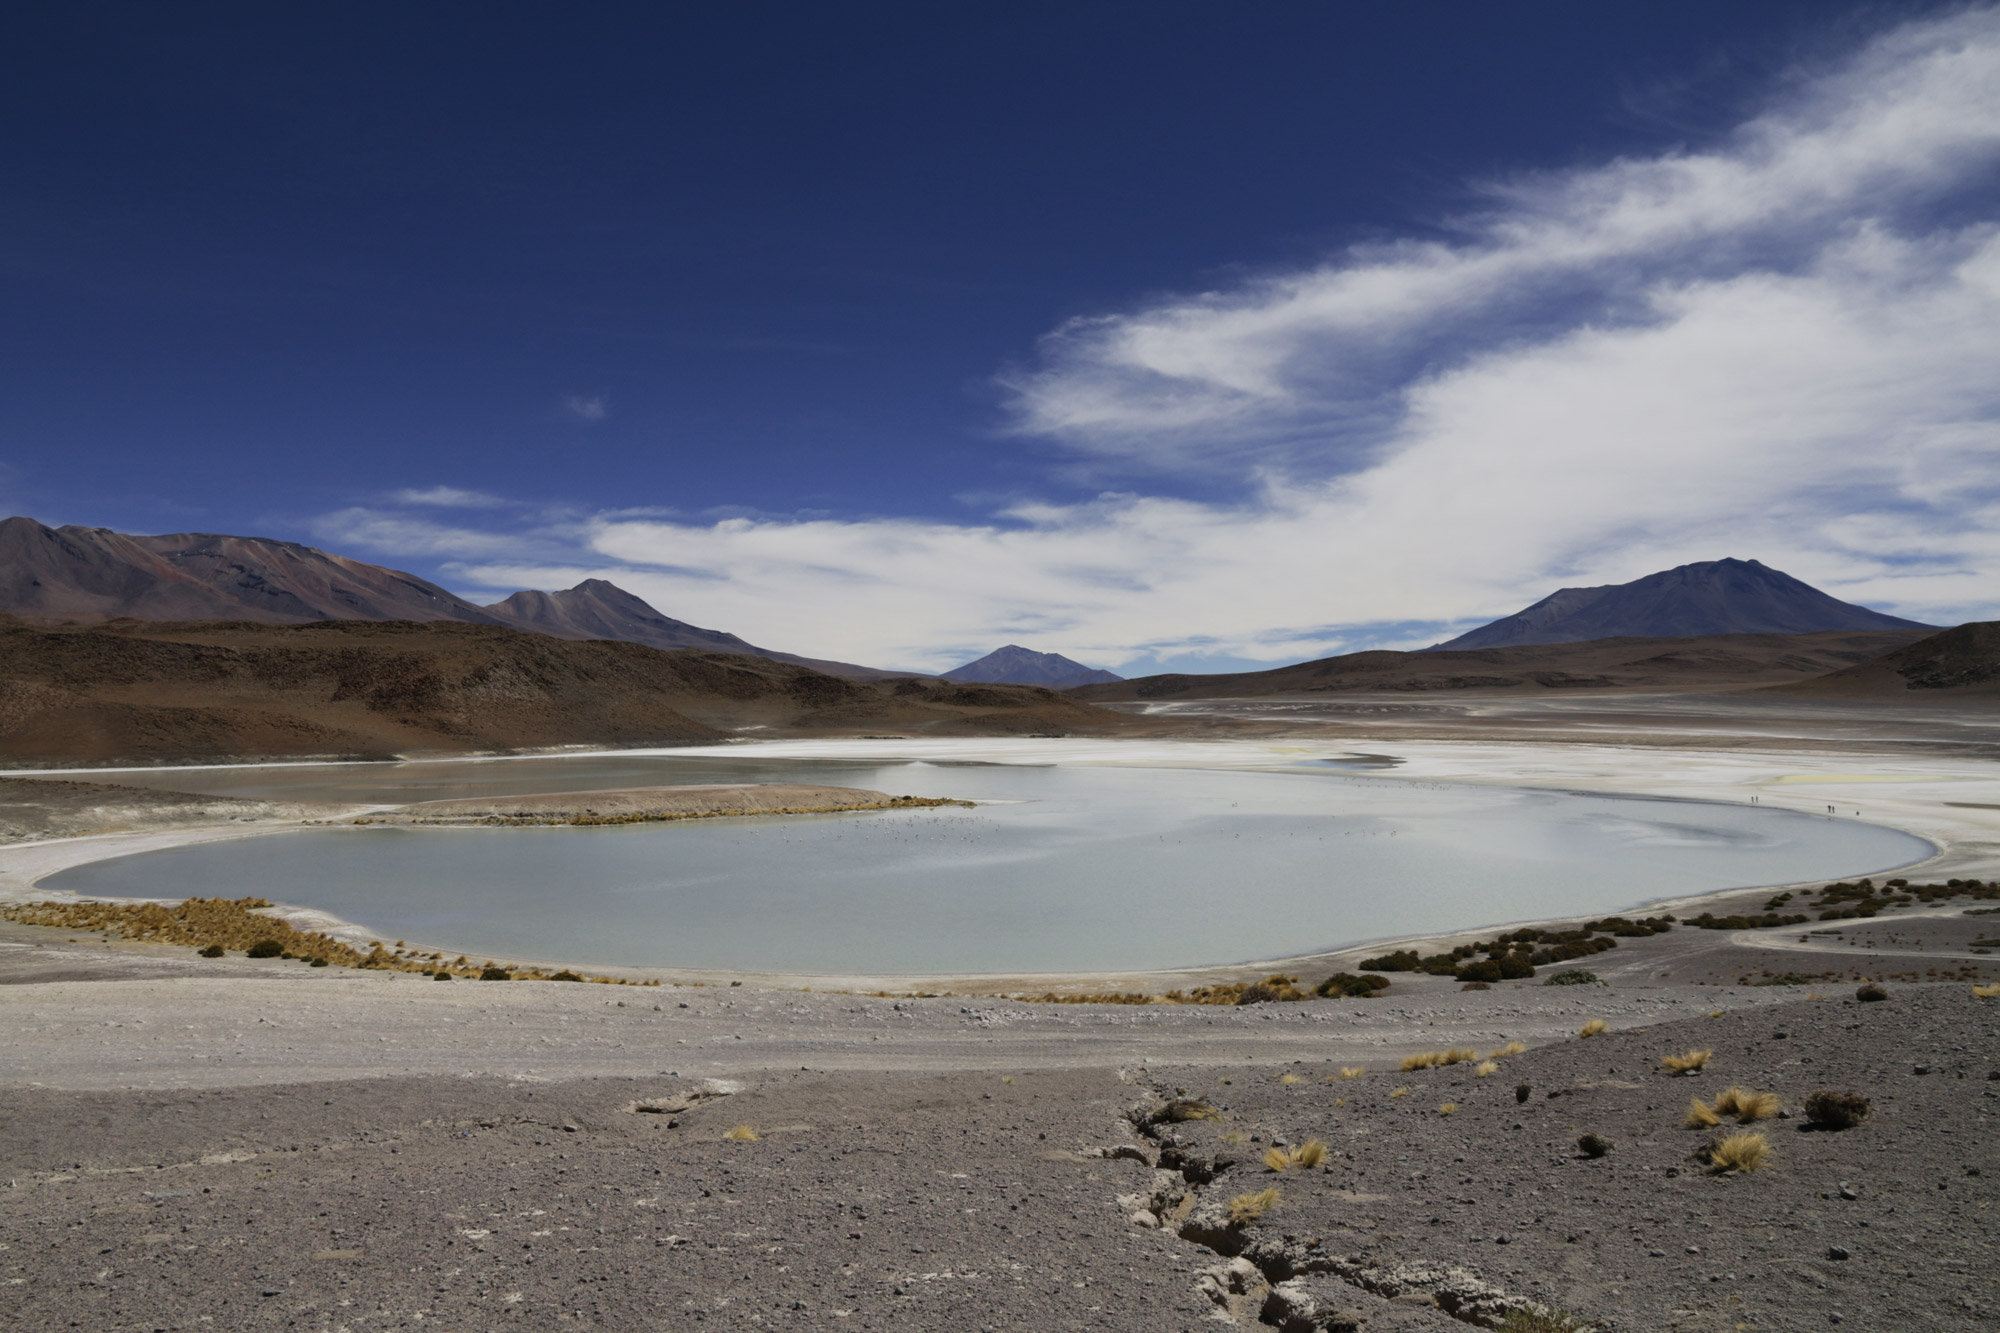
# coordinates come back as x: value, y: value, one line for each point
x: 77, y: 573
x: 1718, y: 661
x: 133, y: 691
x: 87, y: 575
x: 596, y: 609
x: 1959, y: 663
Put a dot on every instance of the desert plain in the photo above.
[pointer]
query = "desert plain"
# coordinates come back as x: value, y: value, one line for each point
x: 198, y: 1143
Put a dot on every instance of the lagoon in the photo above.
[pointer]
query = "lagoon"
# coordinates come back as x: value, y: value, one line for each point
x: 1062, y: 868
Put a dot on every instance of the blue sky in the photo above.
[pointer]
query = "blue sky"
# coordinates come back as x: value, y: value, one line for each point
x: 1160, y: 335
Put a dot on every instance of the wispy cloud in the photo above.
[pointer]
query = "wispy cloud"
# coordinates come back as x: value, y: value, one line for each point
x: 1779, y: 345
x: 593, y: 408
x: 449, y: 497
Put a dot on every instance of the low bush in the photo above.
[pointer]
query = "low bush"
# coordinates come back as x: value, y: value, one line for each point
x: 1593, y: 1145
x: 1522, y: 1091
x: 1755, y: 1106
x: 1485, y: 1067
x: 1182, y: 1110
x: 213, y: 951
x: 565, y: 975
x: 439, y: 975
x: 1687, y: 1062
x: 265, y: 949
x: 1593, y: 1027
x: 495, y: 974
x: 1477, y: 985
x: 1871, y: 992
x: 1574, y: 977
x: 1836, y: 1110
x: 319, y: 962
x: 1346, y: 985
x: 1700, y: 1115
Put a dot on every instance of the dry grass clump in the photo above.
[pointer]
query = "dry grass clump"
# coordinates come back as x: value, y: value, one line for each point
x: 1593, y: 1027
x: 1484, y: 1068
x: 1700, y: 1115
x: 1687, y: 1062
x: 1287, y: 1080
x: 1304, y: 1157
x: 213, y: 926
x: 1986, y: 992
x: 1184, y: 1109
x: 1593, y: 1145
x: 1399, y: 1092
x: 1511, y: 1048
x: 1871, y: 992
x: 1348, y: 1071
x: 1436, y: 1059
x: 1747, y: 1106
x: 741, y: 1134
x: 1449, y: 1108
x: 1247, y: 1208
x: 1747, y: 1151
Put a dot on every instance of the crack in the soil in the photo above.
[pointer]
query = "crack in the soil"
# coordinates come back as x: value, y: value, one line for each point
x: 1262, y: 1283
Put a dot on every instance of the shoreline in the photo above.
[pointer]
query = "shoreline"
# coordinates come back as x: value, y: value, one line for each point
x: 1964, y: 838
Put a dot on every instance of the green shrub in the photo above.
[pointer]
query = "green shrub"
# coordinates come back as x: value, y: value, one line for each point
x: 1574, y: 977
x: 1484, y: 970
x: 565, y: 975
x: 265, y: 949
x: 496, y: 974
x: 213, y: 951
x: 1871, y: 992
x: 1593, y: 1145
x: 1348, y: 986
x: 319, y: 962
x: 440, y: 975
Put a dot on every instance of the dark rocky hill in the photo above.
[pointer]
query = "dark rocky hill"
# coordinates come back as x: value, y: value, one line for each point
x: 1720, y: 661
x: 1710, y: 597
x: 1956, y: 664
x: 134, y: 691
x: 1015, y: 665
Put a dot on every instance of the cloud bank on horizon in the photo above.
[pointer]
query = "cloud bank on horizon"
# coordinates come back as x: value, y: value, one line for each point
x: 1777, y: 345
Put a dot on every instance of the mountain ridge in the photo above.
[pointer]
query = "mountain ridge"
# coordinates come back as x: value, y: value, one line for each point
x: 85, y: 575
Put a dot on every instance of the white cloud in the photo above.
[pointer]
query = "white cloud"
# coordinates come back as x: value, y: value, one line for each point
x: 1767, y: 348
x: 593, y: 408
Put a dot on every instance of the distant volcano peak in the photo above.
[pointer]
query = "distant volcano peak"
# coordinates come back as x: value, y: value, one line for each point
x: 1727, y: 596
x: 1015, y: 665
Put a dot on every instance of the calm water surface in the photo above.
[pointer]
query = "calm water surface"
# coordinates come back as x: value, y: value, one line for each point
x: 1071, y: 868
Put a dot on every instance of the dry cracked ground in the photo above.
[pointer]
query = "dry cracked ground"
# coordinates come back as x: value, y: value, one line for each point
x: 1049, y: 1196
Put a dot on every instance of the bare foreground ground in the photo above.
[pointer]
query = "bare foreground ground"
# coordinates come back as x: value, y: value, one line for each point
x: 196, y: 1144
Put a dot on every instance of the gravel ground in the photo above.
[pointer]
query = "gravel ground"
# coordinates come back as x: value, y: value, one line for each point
x: 898, y: 1199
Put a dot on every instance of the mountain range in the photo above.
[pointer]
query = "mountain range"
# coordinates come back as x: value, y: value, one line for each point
x: 1708, y: 597
x: 85, y: 575
x: 1015, y: 665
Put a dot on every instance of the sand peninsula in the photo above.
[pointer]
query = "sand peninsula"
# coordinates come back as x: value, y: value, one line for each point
x: 228, y: 1143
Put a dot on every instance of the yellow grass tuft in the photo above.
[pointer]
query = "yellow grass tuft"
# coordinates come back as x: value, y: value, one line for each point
x: 1340, y: 1101
x: 1511, y: 1048
x: 1681, y: 1064
x: 1700, y: 1115
x: 1399, y: 1092
x: 1184, y: 1109
x: 1740, y: 1152
x: 1348, y: 1071
x: 1987, y: 992
x: 1593, y: 1027
x: 1247, y: 1208
x: 1276, y: 1159
x: 1755, y: 1106
x: 1310, y: 1154
x: 742, y: 1134
x: 1235, y: 1136
x: 1449, y: 1108
x: 1729, y: 1099
x: 1435, y: 1059
x: 1485, y: 1067
x: 1289, y: 1079
x: 1715, y: 1013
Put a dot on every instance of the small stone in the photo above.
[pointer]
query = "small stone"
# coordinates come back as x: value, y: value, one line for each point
x: 1145, y: 1218
x: 1694, y: 1249
x: 1849, y: 1192
x: 1920, y: 1070
x: 268, y: 1291
x: 1657, y: 1254
x: 1836, y: 1252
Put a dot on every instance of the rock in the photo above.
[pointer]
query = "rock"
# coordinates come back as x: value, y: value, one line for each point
x: 1144, y: 1218
x: 1849, y: 1192
x: 1836, y: 1252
